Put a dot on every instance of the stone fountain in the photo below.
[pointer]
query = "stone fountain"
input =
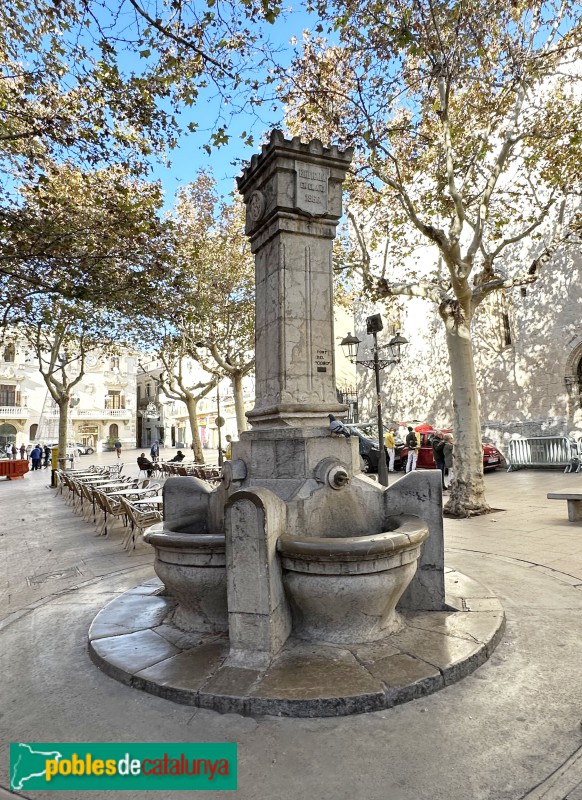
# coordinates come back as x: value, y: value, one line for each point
x: 298, y: 586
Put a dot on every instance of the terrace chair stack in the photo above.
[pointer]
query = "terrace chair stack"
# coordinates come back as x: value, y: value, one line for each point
x: 87, y: 495
x: 208, y: 473
x: 111, y: 508
x: 139, y: 521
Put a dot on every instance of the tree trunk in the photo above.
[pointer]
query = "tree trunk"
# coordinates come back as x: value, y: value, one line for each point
x: 467, y: 496
x: 241, y: 420
x: 192, y: 406
x: 63, y: 404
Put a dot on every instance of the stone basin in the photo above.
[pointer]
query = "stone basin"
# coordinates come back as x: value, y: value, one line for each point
x: 345, y: 589
x: 192, y: 567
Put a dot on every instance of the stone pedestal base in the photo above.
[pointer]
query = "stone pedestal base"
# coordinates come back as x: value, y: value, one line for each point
x: 132, y: 641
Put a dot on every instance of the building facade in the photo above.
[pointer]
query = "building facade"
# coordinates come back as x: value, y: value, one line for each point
x: 527, y: 343
x: 165, y: 419
x: 102, y: 406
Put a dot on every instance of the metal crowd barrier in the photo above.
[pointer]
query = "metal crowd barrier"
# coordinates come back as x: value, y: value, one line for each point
x: 544, y: 451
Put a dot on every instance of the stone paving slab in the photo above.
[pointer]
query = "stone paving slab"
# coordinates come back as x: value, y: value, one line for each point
x: 495, y: 735
x: 132, y: 640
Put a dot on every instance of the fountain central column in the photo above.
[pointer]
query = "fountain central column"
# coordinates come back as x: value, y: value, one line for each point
x: 293, y: 194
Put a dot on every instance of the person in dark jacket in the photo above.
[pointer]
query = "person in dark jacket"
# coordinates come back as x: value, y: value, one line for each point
x: 22, y: 451
x: 448, y: 453
x: 145, y: 464
x: 438, y: 444
x: 36, y: 457
x: 412, y: 444
x: 47, y: 455
x: 178, y: 457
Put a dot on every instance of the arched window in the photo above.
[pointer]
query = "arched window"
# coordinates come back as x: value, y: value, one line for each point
x: 113, y: 431
x: 10, y: 353
x: 114, y: 362
x: 33, y: 430
x: 7, y: 434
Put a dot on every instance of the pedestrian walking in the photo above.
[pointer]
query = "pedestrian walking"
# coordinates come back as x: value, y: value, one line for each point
x: 448, y: 453
x: 438, y: 444
x: 155, y: 451
x: 47, y: 456
x: 23, y: 452
x: 228, y: 451
x: 117, y: 446
x: 412, y: 444
x: 14, y: 450
x: 390, y: 444
x: 8, y: 449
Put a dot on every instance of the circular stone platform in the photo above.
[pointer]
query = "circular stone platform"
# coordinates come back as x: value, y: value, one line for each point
x: 131, y: 641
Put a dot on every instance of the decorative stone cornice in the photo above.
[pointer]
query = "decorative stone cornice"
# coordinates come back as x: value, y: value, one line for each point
x: 293, y: 148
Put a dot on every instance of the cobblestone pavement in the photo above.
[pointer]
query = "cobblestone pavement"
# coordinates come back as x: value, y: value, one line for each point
x: 509, y: 731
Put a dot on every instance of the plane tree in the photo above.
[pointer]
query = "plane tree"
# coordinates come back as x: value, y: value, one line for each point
x: 111, y: 83
x: 180, y: 380
x: 60, y: 334
x: 466, y: 119
x: 213, y: 257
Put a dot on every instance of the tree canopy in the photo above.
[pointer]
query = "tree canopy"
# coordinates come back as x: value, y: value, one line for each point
x: 105, y: 81
x: 466, y: 120
x: 91, y: 89
x: 218, y: 288
x: 84, y: 235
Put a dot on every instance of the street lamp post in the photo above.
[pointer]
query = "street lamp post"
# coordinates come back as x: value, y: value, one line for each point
x: 350, y: 346
x: 219, y: 423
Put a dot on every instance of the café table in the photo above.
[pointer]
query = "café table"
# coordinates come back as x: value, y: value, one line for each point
x: 106, y: 489
x: 116, y: 485
x: 158, y: 500
x: 128, y: 491
x: 105, y: 481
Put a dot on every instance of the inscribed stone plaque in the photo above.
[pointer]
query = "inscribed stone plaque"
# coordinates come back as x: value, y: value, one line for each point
x: 311, y: 188
x: 322, y: 359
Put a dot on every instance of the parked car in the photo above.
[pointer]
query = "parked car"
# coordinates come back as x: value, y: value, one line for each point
x: 84, y: 449
x: 492, y: 458
x: 367, y: 433
x: 72, y: 449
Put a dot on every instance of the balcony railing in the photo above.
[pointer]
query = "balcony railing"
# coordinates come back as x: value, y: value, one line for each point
x: 74, y: 413
x: 14, y: 411
x: 103, y: 412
